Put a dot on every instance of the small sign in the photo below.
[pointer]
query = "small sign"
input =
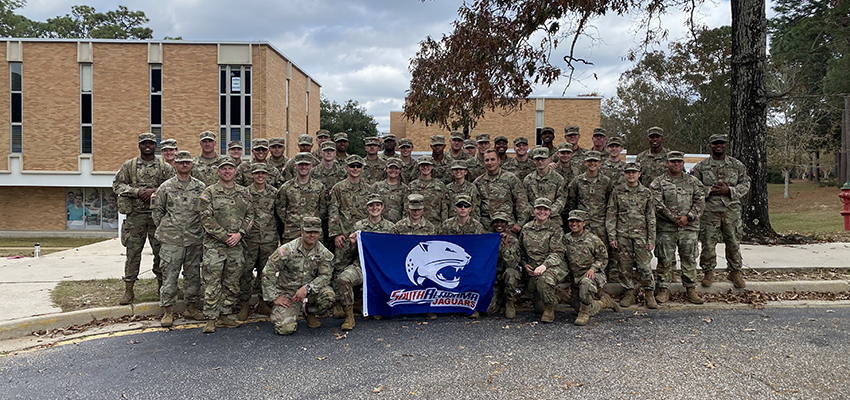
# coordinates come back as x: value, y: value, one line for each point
x: 235, y: 84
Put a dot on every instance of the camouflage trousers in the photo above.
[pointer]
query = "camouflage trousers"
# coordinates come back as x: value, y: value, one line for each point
x: 666, y: 244
x: 586, y: 292
x: 256, y: 256
x: 221, y: 270
x: 506, y: 287
x: 612, y: 270
x: 285, y: 319
x: 635, y: 259
x: 724, y: 225
x: 134, y: 230
x: 173, y: 259
x: 542, y: 288
x: 346, y: 281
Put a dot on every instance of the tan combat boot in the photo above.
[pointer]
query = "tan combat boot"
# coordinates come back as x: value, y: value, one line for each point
x: 475, y: 315
x: 224, y: 322
x: 583, y: 315
x: 608, y: 302
x: 548, y: 313
x: 244, y: 310
x: 510, y: 309
x: 431, y: 316
x: 663, y: 295
x: 708, y: 278
x: 628, y: 299
x: 167, y: 317
x: 692, y: 297
x: 129, y: 295
x: 338, y: 312
x: 314, y: 322
x: 209, y: 327
x: 349, y: 318
x: 263, y: 308
x: 650, y: 299
x: 193, y: 312
x: 737, y: 279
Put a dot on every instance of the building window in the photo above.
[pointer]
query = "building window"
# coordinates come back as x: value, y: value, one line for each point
x: 234, y: 105
x: 16, y: 101
x: 91, y: 208
x: 85, y: 108
x: 156, y: 102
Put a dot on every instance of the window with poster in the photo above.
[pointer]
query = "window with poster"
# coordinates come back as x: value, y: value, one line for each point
x: 91, y: 209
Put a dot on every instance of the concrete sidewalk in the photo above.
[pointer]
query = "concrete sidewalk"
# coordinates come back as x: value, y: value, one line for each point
x: 25, y: 284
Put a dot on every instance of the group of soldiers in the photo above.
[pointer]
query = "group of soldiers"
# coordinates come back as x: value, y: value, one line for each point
x: 286, y: 229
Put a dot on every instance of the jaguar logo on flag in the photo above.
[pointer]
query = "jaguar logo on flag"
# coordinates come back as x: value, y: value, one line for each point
x: 438, y: 261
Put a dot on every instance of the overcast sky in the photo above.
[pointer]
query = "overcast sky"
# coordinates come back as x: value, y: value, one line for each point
x: 361, y: 49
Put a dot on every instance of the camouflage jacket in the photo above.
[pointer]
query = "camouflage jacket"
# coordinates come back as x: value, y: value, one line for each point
x: 631, y: 213
x: 550, y: 186
x: 652, y: 165
x: 567, y: 171
x: 394, y: 198
x: 442, y: 171
x: 111, y: 212
x: 328, y: 177
x: 468, y: 188
x: 148, y: 175
x: 677, y: 196
x: 510, y: 254
x: 475, y: 168
x: 244, y: 178
x: 175, y: 214
x: 452, y: 227
x: 577, y: 160
x: 405, y: 227
x: 503, y: 192
x: 543, y: 244
x: 225, y: 210
x: 460, y: 157
x: 350, y: 255
x: 585, y: 251
x: 264, y: 229
x: 206, y: 169
x: 409, y: 171
x: 591, y: 195
x: 295, y: 201
x: 730, y: 171
x: 373, y: 170
x: 519, y: 168
x: 347, y: 206
x: 288, y: 169
x: 613, y: 170
x: 384, y: 157
x: 292, y: 266
x: 434, y: 192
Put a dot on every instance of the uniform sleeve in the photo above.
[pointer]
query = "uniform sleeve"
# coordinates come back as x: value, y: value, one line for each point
x: 510, y: 253
x: 572, y: 196
x: 270, y: 289
x: 611, y: 216
x: 600, y: 256
x: 158, y: 202
x: 522, y: 208
x: 697, y: 200
x: 168, y: 172
x: 560, y: 199
x: 661, y: 209
x: 741, y: 189
x: 248, y: 219
x: 323, y: 278
x: 524, y: 259
x: 557, y: 249
x: 205, y: 210
x: 484, y: 207
x: 281, y: 202
x: 649, y: 214
x: 121, y: 184
x: 334, y: 227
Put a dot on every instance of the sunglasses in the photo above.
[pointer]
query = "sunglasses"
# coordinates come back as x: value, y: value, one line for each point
x: 464, y: 205
x: 355, y: 165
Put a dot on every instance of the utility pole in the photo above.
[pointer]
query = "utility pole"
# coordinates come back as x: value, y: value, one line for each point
x: 844, y: 152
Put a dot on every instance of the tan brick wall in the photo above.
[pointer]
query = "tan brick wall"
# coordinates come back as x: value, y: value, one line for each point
x: 274, y: 94
x: 398, y: 125
x: 5, y: 140
x: 121, y: 102
x: 513, y: 125
x: 314, y: 118
x: 585, y: 113
x: 49, y: 201
x: 189, y: 93
x: 51, y: 108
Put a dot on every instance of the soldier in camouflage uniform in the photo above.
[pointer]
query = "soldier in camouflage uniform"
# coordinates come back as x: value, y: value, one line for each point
x: 168, y: 149
x: 227, y: 215
x: 322, y: 135
x: 461, y: 186
x: 415, y: 222
x: 432, y: 189
x: 563, y: 165
x: 679, y: 201
x: 409, y: 168
x: 462, y: 223
x: 456, y: 147
x: 509, y: 274
x: 134, y: 183
x: 500, y: 144
x: 234, y: 151
x: 300, y: 197
x: 572, y: 136
x: 613, y: 166
x: 205, y: 164
x: 305, y: 145
x: 328, y: 172
x: 341, y: 142
x: 587, y: 258
x: 298, y: 275
x: 589, y: 192
x: 277, y: 155
x: 389, y: 145
x: 469, y: 147
x: 475, y: 165
x: 728, y: 182
x: 547, y: 140
x: 543, y: 258
x: 521, y: 165
x: 502, y: 191
x: 180, y: 232
x: 631, y: 230
x: 373, y: 166
x: 599, y: 138
x: 259, y: 153
x: 653, y: 161
x: 393, y: 191
x: 260, y: 242
x: 545, y: 182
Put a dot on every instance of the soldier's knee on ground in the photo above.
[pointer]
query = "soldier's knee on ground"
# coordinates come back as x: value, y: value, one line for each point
x: 286, y: 329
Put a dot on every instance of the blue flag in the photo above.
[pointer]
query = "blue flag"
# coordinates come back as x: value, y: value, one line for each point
x: 413, y: 274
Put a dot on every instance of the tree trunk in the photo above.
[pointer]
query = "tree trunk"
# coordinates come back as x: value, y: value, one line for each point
x: 843, y: 164
x: 787, y: 175
x: 816, y: 166
x: 748, y: 123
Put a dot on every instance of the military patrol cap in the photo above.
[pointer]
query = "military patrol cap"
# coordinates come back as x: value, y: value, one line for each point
x: 260, y: 144
x: 463, y: 198
x: 578, y: 215
x: 457, y: 135
x: 388, y: 137
x: 468, y: 143
x: 499, y: 216
x: 147, y: 137
x: 168, y: 144
x: 374, y: 198
x: 328, y: 145
x: 592, y: 156
x: 234, y: 144
x: 565, y: 147
x: 718, y: 137
x: 614, y: 141
x: 353, y: 159
x: 340, y: 137
x: 482, y: 137
x: 425, y: 160
x: 539, y: 152
x: 675, y: 156
x: 459, y: 164
x: 394, y: 161
x: 207, y: 135
x: 630, y: 166
x: 372, y: 140
x: 226, y: 161
x: 500, y: 138
x: 323, y: 133
x: 600, y: 132
x: 279, y: 141
x: 543, y: 202
x: 438, y: 140
x: 303, y: 158
x: 311, y: 224
x: 405, y: 142
x: 416, y: 202
x: 519, y: 140
x: 183, y: 156
x: 548, y: 129
x: 654, y: 131
x: 303, y: 139
x: 259, y: 167
x: 571, y: 130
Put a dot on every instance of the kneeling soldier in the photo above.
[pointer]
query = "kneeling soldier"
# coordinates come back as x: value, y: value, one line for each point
x: 588, y: 256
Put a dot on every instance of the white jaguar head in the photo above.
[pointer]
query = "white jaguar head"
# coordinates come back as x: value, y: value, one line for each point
x: 438, y: 261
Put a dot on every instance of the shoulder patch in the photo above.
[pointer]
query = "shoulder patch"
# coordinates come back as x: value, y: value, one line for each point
x: 652, y: 184
x: 205, y: 197
x: 281, y: 251
x: 153, y: 195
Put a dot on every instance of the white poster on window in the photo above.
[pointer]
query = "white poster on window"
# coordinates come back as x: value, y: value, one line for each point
x: 235, y: 84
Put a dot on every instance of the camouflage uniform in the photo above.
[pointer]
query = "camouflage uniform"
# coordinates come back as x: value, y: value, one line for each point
x: 578, y: 159
x: 475, y: 166
x: 503, y: 192
x: 434, y: 191
x: 586, y: 251
x: 722, y: 216
x: 260, y: 241
x: 344, y: 209
x: 394, y: 198
x: 296, y: 201
x: 373, y: 170
x: 109, y: 212
x: 352, y: 275
x: 567, y: 171
x: 405, y: 227
x: 282, y: 166
x: 452, y: 227
x: 288, y: 169
x: 509, y: 269
x: 519, y: 168
x: 243, y: 175
x: 223, y: 210
x: 550, y: 186
x: 181, y: 234
x: 328, y: 177
x: 409, y: 171
x: 206, y: 169
x: 591, y: 195
x: 631, y: 222
x: 460, y: 157
x: 613, y: 170
x: 289, y: 268
x: 134, y: 175
x: 543, y: 244
x: 468, y: 188
x: 652, y: 165
x: 674, y: 197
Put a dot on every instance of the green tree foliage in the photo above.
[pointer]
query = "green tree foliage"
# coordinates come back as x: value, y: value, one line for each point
x: 83, y: 22
x: 350, y: 118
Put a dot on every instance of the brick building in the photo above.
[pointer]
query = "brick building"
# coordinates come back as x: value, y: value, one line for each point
x: 76, y: 107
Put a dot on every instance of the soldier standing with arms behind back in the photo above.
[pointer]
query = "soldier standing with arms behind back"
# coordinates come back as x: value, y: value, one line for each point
x: 134, y: 183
